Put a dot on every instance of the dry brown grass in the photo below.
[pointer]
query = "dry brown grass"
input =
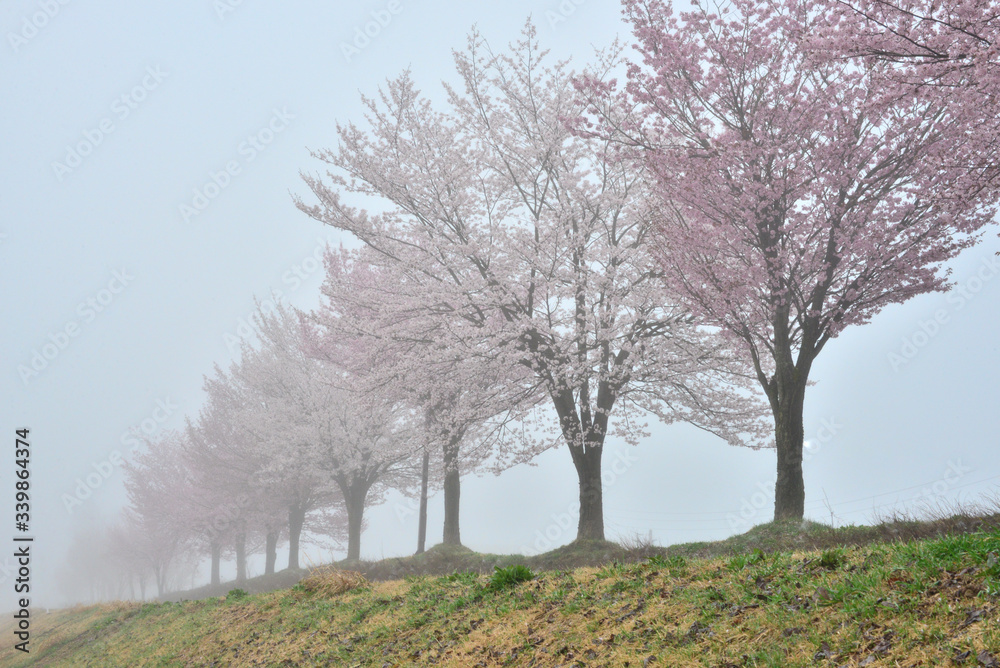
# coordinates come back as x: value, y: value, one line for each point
x: 116, y: 606
x: 331, y: 581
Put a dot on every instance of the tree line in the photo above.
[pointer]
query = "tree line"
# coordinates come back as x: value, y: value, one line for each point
x: 548, y: 258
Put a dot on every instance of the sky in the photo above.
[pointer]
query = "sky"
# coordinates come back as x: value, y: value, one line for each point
x: 150, y: 155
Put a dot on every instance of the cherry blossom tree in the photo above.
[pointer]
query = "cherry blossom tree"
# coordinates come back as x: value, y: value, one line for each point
x: 931, y: 43
x: 461, y: 401
x: 225, y: 503
x: 156, y: 481
x: 345, y: 442
x: 101, y: 566
x: 515, y: 242
x: 119, y: 553
x: 258, y: 419
x: 949, y: 49
x: 798, y: 196
x: 366, y: 450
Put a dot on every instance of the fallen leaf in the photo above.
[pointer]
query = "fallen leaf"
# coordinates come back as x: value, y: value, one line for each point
x: 987, y: 660
x: 971, y: 618
x: 823, y: 652
x: 822, y: 595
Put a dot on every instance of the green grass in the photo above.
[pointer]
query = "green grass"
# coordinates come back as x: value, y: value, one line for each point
x: 509, y: 576
x: 236, y: 594
x: 925, y: 602
x: 765, y: 539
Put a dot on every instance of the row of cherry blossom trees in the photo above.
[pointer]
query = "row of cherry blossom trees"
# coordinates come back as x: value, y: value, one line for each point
x: 285, y: 442
x: 313, y: 423
x: 510, y: 242
x: 766, y: 175
x: 550, y: 258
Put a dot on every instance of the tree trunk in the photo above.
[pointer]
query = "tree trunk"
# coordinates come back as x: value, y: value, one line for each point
x: 588, y: 470
x: 452, y: 495
x: 584, y: 434
x: 789, y: 489
x: 422, y: 519
x: 216, y: 561
x: 355, y: 501
x: 241, y: 558
x: 270, y: 552
x: 296, y: 518
x: 161, y: 581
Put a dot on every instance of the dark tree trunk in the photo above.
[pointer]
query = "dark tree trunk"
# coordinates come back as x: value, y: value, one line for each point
x: 296, y: 518
x: 452, y: 494
x: 241, y: 558
x: 216, y: 561
x: 588, y: 470
x: 584, y: 434
x: 422, y: 519
x: 789, y: 489
x: 161, y: 581
x: 786, y: 391
x: 270, y: 552
x: 355, y: 501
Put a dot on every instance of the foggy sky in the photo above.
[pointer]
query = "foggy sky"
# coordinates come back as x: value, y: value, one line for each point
x: 169, y: 95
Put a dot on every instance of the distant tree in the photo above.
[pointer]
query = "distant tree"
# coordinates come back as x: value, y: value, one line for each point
x: 225, y: 503
x: 350, y: 446
x: 119, y: 554
x: 516, y: 242
x: 156, y: 480
x: 257, y: 431
x: 797, y: 195
x: 460, y: 402
x: 99, y: 566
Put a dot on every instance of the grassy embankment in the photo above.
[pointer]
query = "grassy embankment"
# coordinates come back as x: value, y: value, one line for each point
x: 901, y: 594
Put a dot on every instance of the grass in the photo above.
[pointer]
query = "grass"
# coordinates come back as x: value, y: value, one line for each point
x: 921, y: 602
x: 509, y: 576
x: 330, y: 581
x: 766, y: 538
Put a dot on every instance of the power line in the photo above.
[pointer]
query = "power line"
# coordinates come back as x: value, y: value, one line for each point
x: 905, y: 489
x: 707, y: 517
